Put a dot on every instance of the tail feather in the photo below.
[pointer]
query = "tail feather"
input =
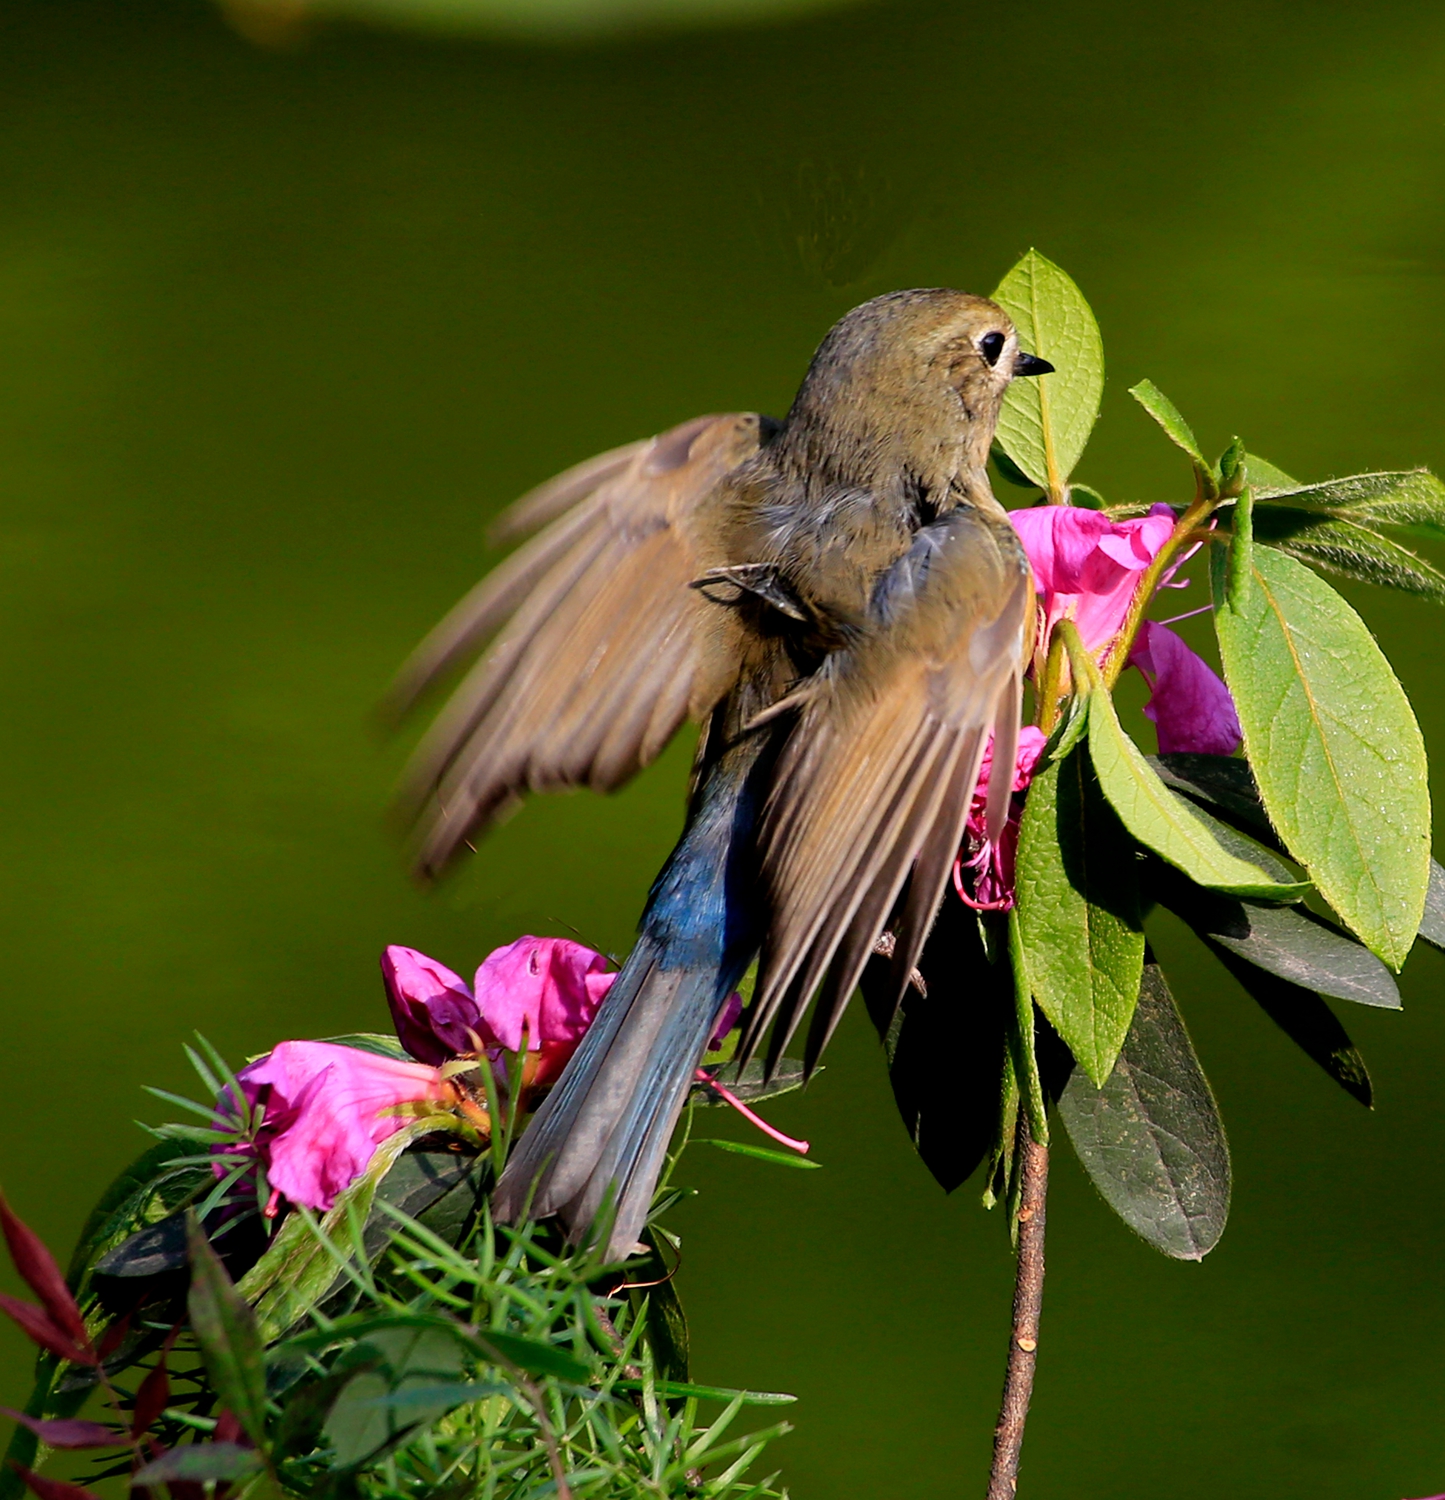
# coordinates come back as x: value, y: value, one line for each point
x: 598, y: 1139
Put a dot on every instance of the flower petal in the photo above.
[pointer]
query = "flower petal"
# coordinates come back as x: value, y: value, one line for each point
x: 432, y: 1008
x: 328, y: 1106
x: 1190, y: 706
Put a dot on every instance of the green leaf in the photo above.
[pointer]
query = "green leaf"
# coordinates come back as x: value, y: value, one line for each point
x: 1046, y: 421
x: 1335, y: 749
x: 533, y: 1356
x: 676, y: 1389
x: 1343, y: 546
x: 1078, y: 912
x: 1432, y: 922
x: 1289, y: 941
x: 200, y: 1462
x: 372, y: 1041
x: 1176, y: 429
x: 751, y: 1084
x: 225, y: 1328
x: 1264, y: 479
x: 1163, y: 821
x: 298, y: 1272
x: 1308, y: 1022
x: 760, y: 1153
x: 1408, y: 498
x: 1151, y: 1139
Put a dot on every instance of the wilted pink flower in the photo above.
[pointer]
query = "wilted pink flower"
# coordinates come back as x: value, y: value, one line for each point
x: 1190, y: 705
x: 1087, y: 567
x: 326, y: 1110
x: 549, y: 988
x: 992, y: 865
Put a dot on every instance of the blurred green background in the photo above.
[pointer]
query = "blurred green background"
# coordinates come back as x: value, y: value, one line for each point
x: 281, y: 328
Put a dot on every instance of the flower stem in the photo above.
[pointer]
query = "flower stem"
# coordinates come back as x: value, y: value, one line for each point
x: 1023, y: 1345
x: 704, y: 1077
x: 1184, y: 531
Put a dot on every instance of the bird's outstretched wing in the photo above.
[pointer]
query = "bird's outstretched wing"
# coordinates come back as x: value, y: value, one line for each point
x: 595, y: 661
x: 873, y: 787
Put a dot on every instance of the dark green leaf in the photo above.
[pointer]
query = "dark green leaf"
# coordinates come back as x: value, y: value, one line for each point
x: 225, y: 1328
x: 1151, y: 1139
x: 1045, y: 422
x: 115, y: 1216
x: 1078, y: 909
x: 667, y: 1330
x: 1335, y: 749
x: 1224, y: 781
x: 1432, y: 923
x: 534, y: 1357
x: 945, y: 1045
x: 1306, y: 1020
x: 1343, y: 546
x: 1410, y: 498
x: 1167, y: 415
x: 1289, y: 941
x: 671, y: 1389
x: 1164, y: 822
x: 200, y: 1462
x: 760, y: 1153
x: 1009, y: 471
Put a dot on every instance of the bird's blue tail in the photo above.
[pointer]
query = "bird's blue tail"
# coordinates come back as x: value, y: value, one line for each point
x: 600, y: 1136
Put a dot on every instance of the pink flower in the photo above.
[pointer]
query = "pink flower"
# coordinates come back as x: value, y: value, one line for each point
x: 1087, y: 567
x: 1190, y: 706
x: 993, y: 864
x: 327, y: 1109
x: 549, y: 988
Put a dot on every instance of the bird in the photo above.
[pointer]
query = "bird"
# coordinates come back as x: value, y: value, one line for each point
x: 840, y: 602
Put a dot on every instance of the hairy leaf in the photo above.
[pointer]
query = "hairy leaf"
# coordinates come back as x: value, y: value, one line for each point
x: 1078, y: 910
x: 1335, y: 749
x: 1151, y: 1139
x: 225, y: 1328
x: 1412, y: 499
x: 1046, y: 421
x: 1305, y: 1018
x: 1344, y: 546
x: 751, y: 1083
x: 1167, y: 415
x: 1164, y: 822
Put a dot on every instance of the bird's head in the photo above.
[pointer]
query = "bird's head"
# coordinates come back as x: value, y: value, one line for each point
x: 910, y: 382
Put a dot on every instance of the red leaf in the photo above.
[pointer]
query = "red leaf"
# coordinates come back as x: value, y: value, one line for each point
x: 36, y: 1264
x: 39, y: 1328
x: 228, y: 1428
x: 151, y: 1399
x: 54, y: 1489
x: 68, y: 1432
x: 114, y: 1336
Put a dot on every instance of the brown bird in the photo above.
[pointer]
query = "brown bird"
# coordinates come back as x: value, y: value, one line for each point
x: 842, y: 603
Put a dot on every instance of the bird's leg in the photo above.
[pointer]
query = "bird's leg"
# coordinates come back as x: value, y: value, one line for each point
x: 758, y: 580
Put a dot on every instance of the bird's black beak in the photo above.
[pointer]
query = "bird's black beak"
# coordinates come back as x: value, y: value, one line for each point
x: 1031, y: 364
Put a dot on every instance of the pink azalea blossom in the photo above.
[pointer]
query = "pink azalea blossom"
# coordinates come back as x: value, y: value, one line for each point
x: 992, y: 865
x: 1190, y: 706
x: 546, y: 988
x: 1087, y: 567
x: 327, y: 1109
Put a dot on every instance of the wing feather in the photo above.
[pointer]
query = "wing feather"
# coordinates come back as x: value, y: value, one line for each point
x: 596, y: 658
x: 875, y: 782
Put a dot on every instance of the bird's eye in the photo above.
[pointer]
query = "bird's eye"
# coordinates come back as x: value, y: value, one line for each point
x: 991, y: 346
